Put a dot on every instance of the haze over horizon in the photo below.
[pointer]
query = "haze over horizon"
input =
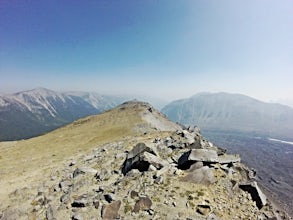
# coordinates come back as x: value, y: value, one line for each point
x: 166, y: 49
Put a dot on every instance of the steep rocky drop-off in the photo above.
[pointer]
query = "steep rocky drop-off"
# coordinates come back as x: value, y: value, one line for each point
x: 127, y: 163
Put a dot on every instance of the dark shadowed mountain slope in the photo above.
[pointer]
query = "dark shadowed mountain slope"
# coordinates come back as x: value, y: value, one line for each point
x: 233, y: 112
x: 30, y: 113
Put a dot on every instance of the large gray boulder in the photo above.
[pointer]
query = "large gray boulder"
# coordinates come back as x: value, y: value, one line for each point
x: 197, y: 155
x: 203, y: 175
x: 205, y: 156
x: 141, y: 157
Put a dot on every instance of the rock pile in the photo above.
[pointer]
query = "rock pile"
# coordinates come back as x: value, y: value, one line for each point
x: 176, y: 175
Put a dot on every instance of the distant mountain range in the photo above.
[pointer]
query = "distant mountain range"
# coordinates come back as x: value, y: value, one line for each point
x: 31, y: 113
x: 232, y: 112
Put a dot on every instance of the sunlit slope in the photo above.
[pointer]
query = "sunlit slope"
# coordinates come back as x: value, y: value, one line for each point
x: 29, y: 160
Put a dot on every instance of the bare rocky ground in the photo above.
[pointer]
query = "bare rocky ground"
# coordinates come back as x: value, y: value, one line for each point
x: 272, y: 161
x: 162, y: 171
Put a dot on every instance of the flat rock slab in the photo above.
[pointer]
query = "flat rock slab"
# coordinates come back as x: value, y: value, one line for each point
x: 204, y: 155
x: 229, y: 158
x: 203, y: 175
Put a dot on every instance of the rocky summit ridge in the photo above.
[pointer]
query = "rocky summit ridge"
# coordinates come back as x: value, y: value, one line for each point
x: 159, y: 170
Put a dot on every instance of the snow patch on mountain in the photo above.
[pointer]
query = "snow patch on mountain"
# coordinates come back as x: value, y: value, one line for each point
x: 36, y: 111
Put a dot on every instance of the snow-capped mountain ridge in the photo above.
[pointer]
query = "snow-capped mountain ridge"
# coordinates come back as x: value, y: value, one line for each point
x: 33, y: 112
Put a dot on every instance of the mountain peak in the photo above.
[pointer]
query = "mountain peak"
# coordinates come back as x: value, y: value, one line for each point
x: 232, y: 112
x: 40, y: 91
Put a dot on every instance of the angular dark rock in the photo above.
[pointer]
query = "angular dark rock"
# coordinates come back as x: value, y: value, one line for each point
x: 109, y: 197
x: 77, y: 172
x: 143, y: 204
x: 81, y: 201
x: 255, y: 192
x: 203, y: 209
x: 141, y: 157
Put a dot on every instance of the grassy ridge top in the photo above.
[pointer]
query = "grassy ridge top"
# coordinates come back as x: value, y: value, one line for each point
x: 29, y: 160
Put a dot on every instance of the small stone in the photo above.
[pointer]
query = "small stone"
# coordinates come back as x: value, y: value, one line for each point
x: 65, y: 185
x: 143, y: 204
x: 65, y: 199
x: 151, y: 212
x: 203, y: 209
x: 159, y: 180
x: 77, y: 216
x: 212, y: 216
x: 77, y: 172
x: 152, y: 168
x: 110, y: 211
x: 56, y: 188
x: 81, y: 201
x: 102, y: 175
x: 133, y: 194
x: 110, y: 197
x: 72, y: 163
x: 96, y: 204
x: 88, y: 157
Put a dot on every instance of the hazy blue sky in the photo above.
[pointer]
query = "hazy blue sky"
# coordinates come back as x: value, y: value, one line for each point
x: 164, y: 48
